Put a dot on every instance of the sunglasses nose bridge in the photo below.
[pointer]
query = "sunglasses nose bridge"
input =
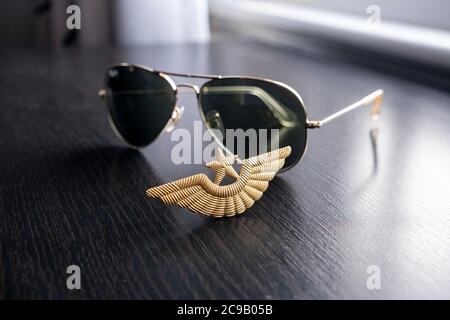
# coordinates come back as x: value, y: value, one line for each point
x: 192, y: 87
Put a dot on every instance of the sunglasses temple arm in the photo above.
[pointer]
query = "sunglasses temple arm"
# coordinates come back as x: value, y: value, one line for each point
x: 375, y: 98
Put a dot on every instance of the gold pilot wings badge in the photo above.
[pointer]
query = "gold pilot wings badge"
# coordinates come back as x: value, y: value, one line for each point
x: 199, y: 194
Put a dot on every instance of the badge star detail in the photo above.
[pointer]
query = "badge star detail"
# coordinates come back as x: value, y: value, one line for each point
x: 199, y: 194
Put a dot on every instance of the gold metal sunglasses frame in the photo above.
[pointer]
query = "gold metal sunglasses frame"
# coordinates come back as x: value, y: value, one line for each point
x: 374, y: 98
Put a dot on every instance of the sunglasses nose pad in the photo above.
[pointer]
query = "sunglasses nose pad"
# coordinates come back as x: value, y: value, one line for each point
x: 177, y: 114
x: 214, y: 121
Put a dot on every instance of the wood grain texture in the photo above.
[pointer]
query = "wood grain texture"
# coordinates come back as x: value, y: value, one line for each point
x: 72, y: 193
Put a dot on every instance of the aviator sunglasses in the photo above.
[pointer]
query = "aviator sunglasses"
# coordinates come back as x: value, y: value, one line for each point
x: 142, y: 103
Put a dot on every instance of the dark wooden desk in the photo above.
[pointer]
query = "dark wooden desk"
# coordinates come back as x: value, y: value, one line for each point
x: 72, y: 193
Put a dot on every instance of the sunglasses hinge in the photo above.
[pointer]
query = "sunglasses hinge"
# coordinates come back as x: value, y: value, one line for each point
x: 313, y: 124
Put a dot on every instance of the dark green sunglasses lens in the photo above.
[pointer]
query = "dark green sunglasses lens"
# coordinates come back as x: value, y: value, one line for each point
x: 140, y: 103
x: 239, y: 103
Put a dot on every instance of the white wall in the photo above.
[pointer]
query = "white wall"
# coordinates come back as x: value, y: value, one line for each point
x: 154, y: 21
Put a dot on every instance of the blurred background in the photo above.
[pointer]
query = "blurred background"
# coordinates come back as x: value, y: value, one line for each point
x: 408, y: 32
